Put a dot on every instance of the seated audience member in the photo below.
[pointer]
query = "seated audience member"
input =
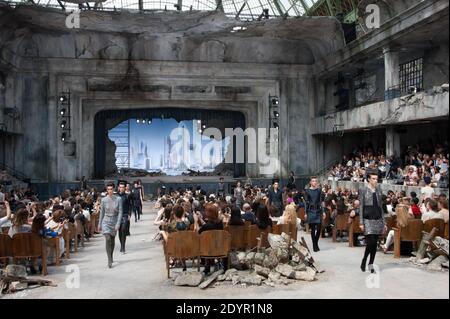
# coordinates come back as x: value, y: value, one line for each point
x: 289, y: 215
x: 248, y: 214
x: 179, y: 222
x: 432, y: 211
x: 427, y: 191
x: 20, y: 223
x: 262, y: 217
x: 415, y: 209
x: 443, y: 209
x: 236, y: 217
x: 5, y: 213
x: 403, y: 215
x: 166, y: 217
x: 212, y: 222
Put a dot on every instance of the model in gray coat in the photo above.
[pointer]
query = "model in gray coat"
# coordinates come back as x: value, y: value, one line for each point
x: 111, y: 212
x: 371, y: 218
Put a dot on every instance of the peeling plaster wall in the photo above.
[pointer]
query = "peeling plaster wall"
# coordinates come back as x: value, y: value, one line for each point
x: 178, y: 59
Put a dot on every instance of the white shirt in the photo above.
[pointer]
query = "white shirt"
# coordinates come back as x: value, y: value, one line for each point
x: 427, y: 191
x: 3, y: 221
x: 431, y: 215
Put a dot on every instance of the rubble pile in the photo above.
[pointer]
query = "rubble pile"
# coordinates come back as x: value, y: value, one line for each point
x: 284, y: 262
x: 432, y: 252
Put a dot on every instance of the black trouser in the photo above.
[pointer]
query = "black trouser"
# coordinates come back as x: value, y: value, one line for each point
x: 110, y: 242
x: 371, y: 248
x: 123, y: 233
x: 315, y: 234
x: 137, y: 209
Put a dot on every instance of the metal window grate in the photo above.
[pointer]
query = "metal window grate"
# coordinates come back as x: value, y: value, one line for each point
x: 411, y: 75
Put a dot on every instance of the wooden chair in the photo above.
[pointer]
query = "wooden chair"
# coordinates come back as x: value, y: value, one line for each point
x: 446, y: 231
x: 252, y: 236
x: 65, y: 235
x: 182, y: 245
x: 326, y: 221
x: 289, y: 229
x: 412, y: 232
x: 72, y: 232
x: 391, y: 222
x: 79, y: 228
x: 29, y: 245
x: 54, y: 243
x: 5, y: 248
x: 215, y: 244
x: 439, y: 224
x: 340, y: 224
x: 238, y: 236
x: 353, y: 230
x: 263, y: 238
x: 94, y: 222
x: 301, y: 213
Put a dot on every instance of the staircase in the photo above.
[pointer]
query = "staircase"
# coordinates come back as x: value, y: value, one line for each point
x: 16, y: 174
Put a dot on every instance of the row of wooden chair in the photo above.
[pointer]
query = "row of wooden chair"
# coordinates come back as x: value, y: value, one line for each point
x: 24, y: 246
x: 412, y: 232
x: 218, y: 243
x: 29, y: 245
x: 191, y: 245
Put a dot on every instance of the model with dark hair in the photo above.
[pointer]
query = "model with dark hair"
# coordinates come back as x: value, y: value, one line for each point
x: 314, y: 198
x: 110, y: 218
x: 371, y: 218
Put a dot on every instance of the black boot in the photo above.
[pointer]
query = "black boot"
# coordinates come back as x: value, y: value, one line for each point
x: 363, y: 265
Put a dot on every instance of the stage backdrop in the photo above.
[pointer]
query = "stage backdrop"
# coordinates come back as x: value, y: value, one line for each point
x: 110, y: 133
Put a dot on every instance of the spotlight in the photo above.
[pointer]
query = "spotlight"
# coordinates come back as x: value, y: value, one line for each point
x: 276, y: 114
x: 274, y: 101
x: 203, y: 126
x: 62, y: 98
x: 62, y: 112
x: 138, y: 121
x: 275, y: 125
x: 199, y: 121
x: 200, y: 131
x: 149, y: 122
x: 63, y: 137
x: 63, y: 124
x: 143, y: 121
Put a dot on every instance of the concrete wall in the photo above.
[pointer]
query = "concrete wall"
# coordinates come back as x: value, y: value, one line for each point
x: 123, y: 60
x: 410, y: 108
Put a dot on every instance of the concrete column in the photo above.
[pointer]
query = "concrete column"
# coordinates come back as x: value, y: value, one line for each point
x: 391, y: 68
x: 392, y: 142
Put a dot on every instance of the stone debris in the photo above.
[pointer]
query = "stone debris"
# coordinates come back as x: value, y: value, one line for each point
x: 432, y: 252
x: 285, y: 270
x: 16, y: 271
x: 284, y: 262
x: 191, y: 279
x: 262, y: 271
x: 436, y: 264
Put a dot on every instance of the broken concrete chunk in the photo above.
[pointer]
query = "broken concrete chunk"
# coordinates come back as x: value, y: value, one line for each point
x: 191, y: 279
x: 286, y: 270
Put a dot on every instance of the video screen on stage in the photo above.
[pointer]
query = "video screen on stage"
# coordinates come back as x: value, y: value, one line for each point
x: 167, y: 146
